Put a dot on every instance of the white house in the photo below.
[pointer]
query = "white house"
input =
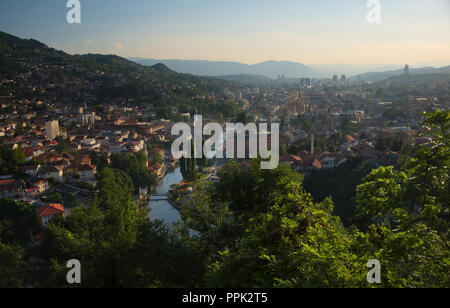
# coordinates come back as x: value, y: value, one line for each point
x: 87, y: 172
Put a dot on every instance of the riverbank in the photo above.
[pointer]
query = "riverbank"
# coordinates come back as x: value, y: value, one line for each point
x: 168, y: 210
x: 171, y: 197
x: 165, y: 210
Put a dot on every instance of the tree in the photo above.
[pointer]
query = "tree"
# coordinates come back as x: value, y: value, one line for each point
x: 295, y: 244
x: 100, y: 235
x: 250, y: 189
x: 189, y: 165
x: 63, y: 145
x: 100, y: 161
x: 12, y: 266
x: 116, y: 243
x: 244, y: 118
x: 292, y: 149
x: 380, y: 145
x: 409, y: 209
x: 307, y: 126
x: 340, y: 184
x: 157, y: 158
x: 135, y: 166
x: 183, y: 167
x: 10, y: 159
x: 17, y: 220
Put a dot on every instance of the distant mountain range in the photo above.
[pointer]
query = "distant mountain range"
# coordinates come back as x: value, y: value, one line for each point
x: 418, y: 80
x: 352, y: 69
x: 380, y: 76
x: 270, y: 69
x: 254, y: 80
x: 261, y: 72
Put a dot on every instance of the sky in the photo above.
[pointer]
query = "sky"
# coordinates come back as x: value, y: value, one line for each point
x: 249, y: 31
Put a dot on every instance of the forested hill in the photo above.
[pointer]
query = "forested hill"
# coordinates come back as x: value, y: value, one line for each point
x: 29, y: 64
x: 374, y: 77
x: 16, y: 53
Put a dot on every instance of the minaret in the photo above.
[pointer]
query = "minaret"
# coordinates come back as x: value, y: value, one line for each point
x: 146, y: 154
x: 312, y: 144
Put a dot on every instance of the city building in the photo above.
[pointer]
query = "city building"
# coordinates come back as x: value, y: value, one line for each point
x: 47, y: 212
x: 305, y: 82
x: 335, y: 80
x: 52, y: 129
x: 343, y: 81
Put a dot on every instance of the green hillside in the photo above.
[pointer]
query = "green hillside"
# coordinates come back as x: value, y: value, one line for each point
x: 96, y: 78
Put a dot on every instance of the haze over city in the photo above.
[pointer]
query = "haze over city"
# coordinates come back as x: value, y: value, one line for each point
x: 319, y: 32
x: 211, y: 151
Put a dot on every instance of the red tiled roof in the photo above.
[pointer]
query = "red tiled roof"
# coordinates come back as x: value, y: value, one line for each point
x: 10, y: 185
x: 349, y: 138
x: 50, y: 210
x: 6, y: 182
x: 317, y: 164
x: 290, y: 157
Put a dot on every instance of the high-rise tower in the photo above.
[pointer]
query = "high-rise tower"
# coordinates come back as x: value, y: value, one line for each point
x: 406, y: 70
x: 52, y: 129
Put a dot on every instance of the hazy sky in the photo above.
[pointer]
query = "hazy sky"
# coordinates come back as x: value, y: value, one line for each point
x: 250, y: 31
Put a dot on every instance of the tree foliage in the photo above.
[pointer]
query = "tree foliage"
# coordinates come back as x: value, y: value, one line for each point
x: 115, y: 243
x: 410, y: 212
x: 10, y: 159
x: 254, y: 228
x: 135, y: 166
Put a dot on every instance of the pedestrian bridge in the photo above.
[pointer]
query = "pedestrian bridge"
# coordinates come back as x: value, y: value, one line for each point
x: 158, y: 198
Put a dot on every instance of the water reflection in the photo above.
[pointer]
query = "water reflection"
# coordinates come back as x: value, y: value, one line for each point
x: 163, y: 210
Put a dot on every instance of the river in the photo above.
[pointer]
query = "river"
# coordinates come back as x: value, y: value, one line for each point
x: 163, y: 210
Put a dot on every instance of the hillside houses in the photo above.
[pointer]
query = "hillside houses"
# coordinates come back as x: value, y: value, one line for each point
x: 306, y: 162
x: 11, y: 188
x: 48, y: 212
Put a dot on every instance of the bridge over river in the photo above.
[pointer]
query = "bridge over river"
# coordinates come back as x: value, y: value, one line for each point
x: 159, y: 198
x: 161, y: 209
